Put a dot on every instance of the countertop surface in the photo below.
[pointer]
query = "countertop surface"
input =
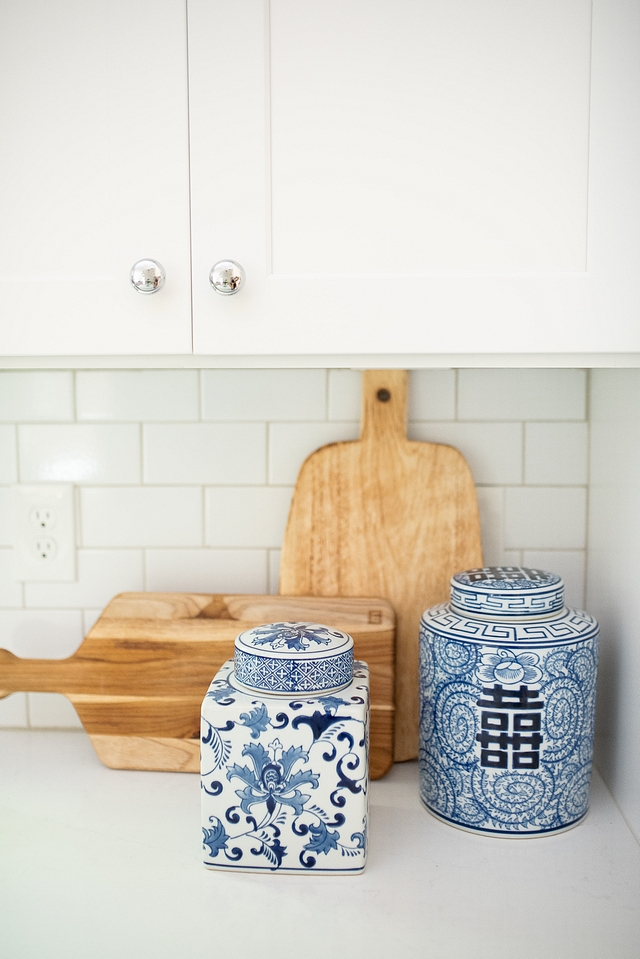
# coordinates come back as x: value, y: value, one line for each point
x: 101, y: 863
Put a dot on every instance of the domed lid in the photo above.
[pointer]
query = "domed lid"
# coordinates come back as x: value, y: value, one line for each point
x: 294, y: 658
x: 507, y: 592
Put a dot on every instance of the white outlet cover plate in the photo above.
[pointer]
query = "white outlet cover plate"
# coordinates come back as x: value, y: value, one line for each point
x: 54, y: 504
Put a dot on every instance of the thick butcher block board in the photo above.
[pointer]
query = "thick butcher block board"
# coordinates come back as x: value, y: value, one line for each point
x: 138, y: 680
x: 384, y: 516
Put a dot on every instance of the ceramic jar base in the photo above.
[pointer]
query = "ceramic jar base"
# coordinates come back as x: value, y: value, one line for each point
x: 499, y: 833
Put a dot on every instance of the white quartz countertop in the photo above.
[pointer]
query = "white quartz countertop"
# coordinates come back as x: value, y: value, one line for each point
x: 101, y: 863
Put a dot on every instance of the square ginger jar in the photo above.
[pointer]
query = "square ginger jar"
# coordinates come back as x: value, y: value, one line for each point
x: 284, y: 754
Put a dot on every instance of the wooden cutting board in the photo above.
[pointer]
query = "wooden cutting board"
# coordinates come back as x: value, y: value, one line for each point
x: 138, y: 679
x: 384, y: 516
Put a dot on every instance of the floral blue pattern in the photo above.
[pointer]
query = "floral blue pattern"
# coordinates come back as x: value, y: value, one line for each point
x: 285, y: 781
x: 509, y: 667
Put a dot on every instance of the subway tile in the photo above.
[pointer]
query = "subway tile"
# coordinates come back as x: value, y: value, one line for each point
x: 345, y: 394
x: 205, y: 453
x: 79, y: 454
x: 291, y: 443
x: 6, y: 522
x: 8, y: 455
x: 547, y: 394
x: 141, y: 516
x: 246, y: 516
x: 263, y: 394
x: 512, y: 557
x: 133, y: 395
x: 52, y: 711
x: 36, y: 396
x: 493, y: 450
x: 10, y: 589
x: 13, y: 711
x: 432, y: 395
x: 89, y: 618
x: 491, y: 508
x: 556, y: 453
x: 545, y: 518
x: 101, y: 574
x: 41, y: 634
x: 569, y: 565
x: 274, y: 571
x: 207, y: 570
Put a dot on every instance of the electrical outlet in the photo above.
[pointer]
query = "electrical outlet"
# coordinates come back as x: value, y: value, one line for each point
x: 44, y: 544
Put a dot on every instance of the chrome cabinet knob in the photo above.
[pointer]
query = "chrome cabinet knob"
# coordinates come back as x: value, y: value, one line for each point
x: 147, y: 276
x: 227, y: 277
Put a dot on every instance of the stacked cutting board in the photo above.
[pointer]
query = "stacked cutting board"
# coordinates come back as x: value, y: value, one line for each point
x: 138, y: 680
x: 382, y: 516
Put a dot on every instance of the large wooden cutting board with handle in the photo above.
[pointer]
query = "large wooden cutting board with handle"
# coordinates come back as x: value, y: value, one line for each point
x: 138, y: 679
x: 384, y: 516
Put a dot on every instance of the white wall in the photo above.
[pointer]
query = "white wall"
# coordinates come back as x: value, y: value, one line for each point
x: 613, y: 593
x: 184, y: 479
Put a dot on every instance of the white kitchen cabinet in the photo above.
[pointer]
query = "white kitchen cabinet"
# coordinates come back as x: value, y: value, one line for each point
x: 93, y: 176
x: 417, y: 176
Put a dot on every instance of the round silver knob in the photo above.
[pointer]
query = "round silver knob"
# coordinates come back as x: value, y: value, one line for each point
x: 147, y: 276
x: 227, y: 277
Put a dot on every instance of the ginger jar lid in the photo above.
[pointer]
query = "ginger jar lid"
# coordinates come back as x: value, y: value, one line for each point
x: 294, y: 658
x: 507, y: 592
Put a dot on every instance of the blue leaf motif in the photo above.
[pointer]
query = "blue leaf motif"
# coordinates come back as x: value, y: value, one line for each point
x: 322, y: 839
x: 216, y: 838
x: 257, y: 720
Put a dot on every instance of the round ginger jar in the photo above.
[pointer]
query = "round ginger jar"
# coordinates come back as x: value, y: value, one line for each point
x: 507, y: 703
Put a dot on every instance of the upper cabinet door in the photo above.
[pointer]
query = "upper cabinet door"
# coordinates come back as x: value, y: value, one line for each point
x: 416, y: 175
x: 93, y: 176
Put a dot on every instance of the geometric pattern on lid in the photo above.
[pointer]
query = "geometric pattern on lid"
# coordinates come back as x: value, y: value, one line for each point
x: 507, y: 591
x: 306, y: 675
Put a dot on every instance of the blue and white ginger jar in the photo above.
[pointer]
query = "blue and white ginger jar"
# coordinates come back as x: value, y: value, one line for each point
x: 284, y: 754
x: 507, y: 703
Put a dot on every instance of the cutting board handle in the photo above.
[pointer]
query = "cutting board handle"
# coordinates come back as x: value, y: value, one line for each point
x: 384, y: 405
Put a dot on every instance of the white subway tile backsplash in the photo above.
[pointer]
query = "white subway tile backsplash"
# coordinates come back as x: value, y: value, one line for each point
x: 264, y: 394
x: 274, y: 571
x: 41, y: 634
x: 52, y: 711
x: 205, y: 453
x: 493, y: 450
x: 556, y: 453
x: 13, y: 711
x: 101, y: 574
x: 79, y: 454
x: 8, y: 455
x: 291, y: 443
x: 491, y: 509
x: 10, y: 589
x: 41, y: 396
x: 345, y: 395
x: 547, y: 394
x: 569, y: 565
x: 432, y: 395
x: 135, y: 395
x: 6, y: 522
x: 213, y: 514
x: 141, y: 516
x: 207, y: 570
x: 545, y: 518
x: 89, y: 618
x: 246, y: 516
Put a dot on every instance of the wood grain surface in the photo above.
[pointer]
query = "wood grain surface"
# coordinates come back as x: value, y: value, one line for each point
x: 384, y: 516
x: 139, y: 677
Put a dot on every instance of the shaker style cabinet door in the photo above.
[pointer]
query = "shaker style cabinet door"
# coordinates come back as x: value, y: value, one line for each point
x: 93, y: 176
x: 416, y: 175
